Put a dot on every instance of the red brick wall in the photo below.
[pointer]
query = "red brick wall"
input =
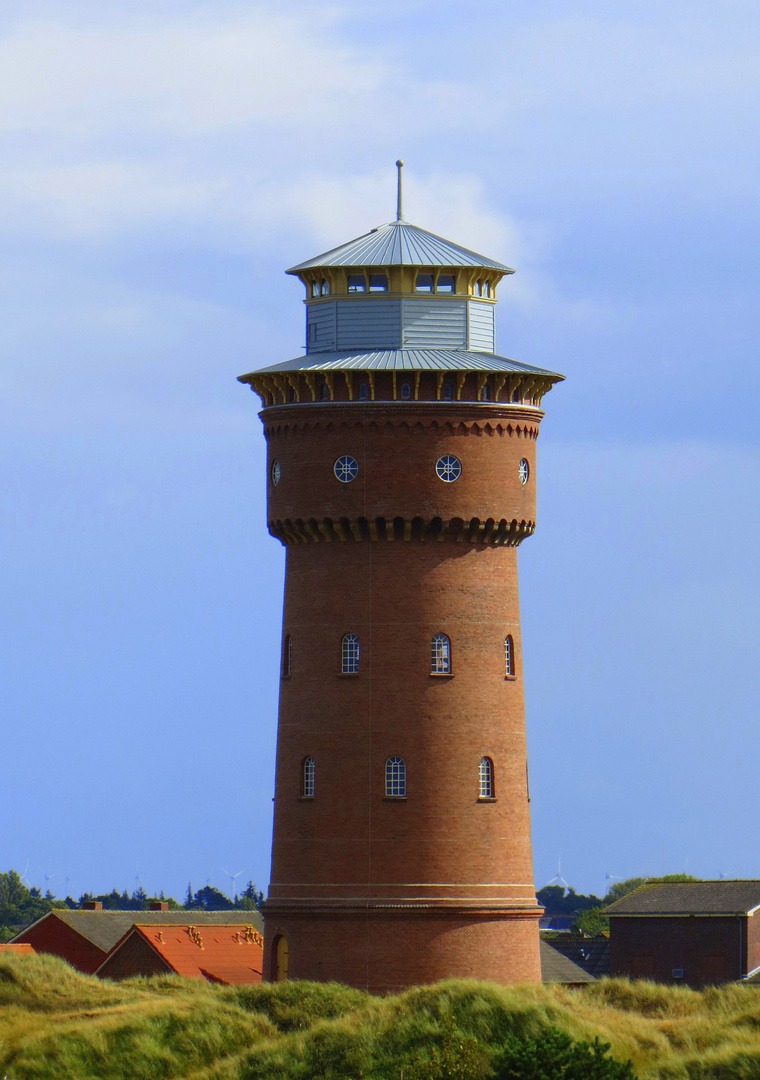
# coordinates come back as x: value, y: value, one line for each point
x: 753, y: 943
x: 52, y: 935
x: 135, y: 957
x: 441, y: 848
x: 385, y: 952
x: 397, y: 446
x: 709, y: 949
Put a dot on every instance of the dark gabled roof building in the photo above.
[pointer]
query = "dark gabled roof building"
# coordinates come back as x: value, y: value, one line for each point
x: 695, y: 933
x: 558, y: 968
x: 590, y: 954
x: 84, y: 938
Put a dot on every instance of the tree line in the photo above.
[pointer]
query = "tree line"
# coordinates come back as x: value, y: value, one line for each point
x: 588, y: 910
x: 21, y: 904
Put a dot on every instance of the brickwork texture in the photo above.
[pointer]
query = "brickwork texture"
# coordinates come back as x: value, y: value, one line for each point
x: 385, y: 892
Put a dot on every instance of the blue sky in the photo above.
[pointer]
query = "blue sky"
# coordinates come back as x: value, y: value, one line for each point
x: 162, y: 163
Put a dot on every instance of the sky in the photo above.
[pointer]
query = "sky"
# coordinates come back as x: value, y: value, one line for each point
x: 162, y: 163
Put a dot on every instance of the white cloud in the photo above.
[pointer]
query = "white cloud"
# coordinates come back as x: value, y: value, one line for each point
x: 206, y: 120
x: 207, y: 72
x: 220, y: 128
x: 97, y: 198
x: 189, y: 75
x: 236, y: 211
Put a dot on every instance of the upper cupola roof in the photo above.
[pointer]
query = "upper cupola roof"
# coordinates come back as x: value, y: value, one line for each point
x: 400, y: 244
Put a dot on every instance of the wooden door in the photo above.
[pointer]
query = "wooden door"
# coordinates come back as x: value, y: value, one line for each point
x: 281, y: 959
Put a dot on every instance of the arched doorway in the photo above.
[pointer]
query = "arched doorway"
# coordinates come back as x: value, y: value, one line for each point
x: 281, y: 959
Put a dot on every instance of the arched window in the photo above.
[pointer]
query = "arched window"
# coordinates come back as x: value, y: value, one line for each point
x: 509, y: 657
x: 363, y: 391
x: 315, y: 291
x: 485, y: 779
x: 325, y: 392
x: 378, y: 283
x: 349, y: 655
x: 448, y: 391
x: 309, y: 768
x: 440, y: 659
x: 445, y: 283
x: 486, y: 289
x: 357, y: 283
x: 423, y: 283
x: 287, y: 656
x: 485, y: 393
x: 406, y: 391
x: 395, y: 778
x: 325, y: 288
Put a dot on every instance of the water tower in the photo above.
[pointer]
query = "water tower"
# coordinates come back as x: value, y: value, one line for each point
x: 401, y: 479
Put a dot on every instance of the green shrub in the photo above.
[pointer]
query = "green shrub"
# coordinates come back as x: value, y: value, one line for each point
x: 453, y: 1056
x: 295, y: 1006
x: 554, y: 1056
x: 591, y: 923
x: 57, y: 1024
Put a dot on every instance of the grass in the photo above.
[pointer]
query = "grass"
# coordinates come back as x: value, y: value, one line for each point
x: 56, y: 1024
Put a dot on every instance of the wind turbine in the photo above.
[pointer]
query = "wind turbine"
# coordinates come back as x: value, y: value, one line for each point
x: 48, y: 879
x: 233, y: 878
x: 23, y: 876
x: 558, y: 879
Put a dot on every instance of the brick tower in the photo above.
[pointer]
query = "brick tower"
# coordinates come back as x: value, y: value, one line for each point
x: 401, y: 480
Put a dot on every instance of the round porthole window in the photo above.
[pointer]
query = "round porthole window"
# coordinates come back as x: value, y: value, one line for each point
x: 448, y: 468
x: 346, y: 469
x: 276, y: 473
x: 523, y: 471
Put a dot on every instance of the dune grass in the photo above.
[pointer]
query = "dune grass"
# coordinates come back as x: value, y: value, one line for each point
x: 56, y: 1024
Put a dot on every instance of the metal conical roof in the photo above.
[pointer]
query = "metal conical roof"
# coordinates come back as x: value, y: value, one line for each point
x: 404, y: 360
x: 400, y: 244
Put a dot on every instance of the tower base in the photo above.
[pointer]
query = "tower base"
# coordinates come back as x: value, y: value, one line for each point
x: 386, y: 950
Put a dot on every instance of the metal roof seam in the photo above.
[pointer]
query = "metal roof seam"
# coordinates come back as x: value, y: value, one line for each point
x: 399, y: 243
x: 405, y: 360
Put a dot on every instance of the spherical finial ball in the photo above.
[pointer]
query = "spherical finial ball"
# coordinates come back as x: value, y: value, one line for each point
x: 399, y: 162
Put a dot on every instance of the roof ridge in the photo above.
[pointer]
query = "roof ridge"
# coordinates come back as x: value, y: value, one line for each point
x: 704, y: 881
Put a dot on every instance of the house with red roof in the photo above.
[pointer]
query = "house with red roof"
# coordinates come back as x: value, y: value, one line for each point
x: 218, y: 952
x: 85, y: 937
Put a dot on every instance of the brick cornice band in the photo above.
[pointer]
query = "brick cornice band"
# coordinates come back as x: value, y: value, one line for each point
x: 438, y: 418
x: 491, y: 532
x: 425, y: 908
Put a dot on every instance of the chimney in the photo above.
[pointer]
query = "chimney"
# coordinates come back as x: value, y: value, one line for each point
x: 158, y: 905
x: 92, y: 905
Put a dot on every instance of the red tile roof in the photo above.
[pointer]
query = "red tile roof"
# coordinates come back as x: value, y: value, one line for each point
x: 105, y: 928
x: 229, y: 954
